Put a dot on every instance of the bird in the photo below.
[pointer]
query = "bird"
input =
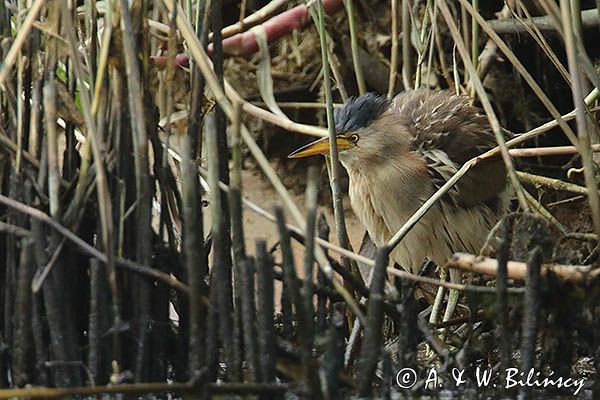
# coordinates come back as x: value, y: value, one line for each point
x: 397, y: 153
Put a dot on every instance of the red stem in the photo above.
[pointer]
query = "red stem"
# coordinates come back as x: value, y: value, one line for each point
x: 244, y: 44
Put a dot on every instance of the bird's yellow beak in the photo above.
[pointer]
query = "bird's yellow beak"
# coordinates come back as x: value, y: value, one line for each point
x: 321, y: 146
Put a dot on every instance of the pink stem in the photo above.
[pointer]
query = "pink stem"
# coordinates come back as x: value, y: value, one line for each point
x: 244, y: 44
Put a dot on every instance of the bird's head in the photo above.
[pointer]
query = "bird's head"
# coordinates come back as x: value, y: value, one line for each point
x: 357, y: 136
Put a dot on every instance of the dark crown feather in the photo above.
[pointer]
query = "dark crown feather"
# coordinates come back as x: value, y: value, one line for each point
x: 359, y: 112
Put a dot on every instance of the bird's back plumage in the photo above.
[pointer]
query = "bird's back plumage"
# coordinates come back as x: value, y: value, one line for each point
x: 448, y: 131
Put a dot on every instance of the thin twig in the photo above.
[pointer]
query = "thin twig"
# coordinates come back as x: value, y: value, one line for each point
x: 406, y: 46
x: 474, y: 43
x: 542, y: 42
x: 421, y: 47
x: 298, y: 104
x: 548, y: 151
x: 334, y: 166
x: 394, y: 49
x: 553, y: 183
x: 360, y: 80
x: 589, y: 20
x: 252, y: 19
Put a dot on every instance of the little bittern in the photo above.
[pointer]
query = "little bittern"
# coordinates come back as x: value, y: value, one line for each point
x: 398, y: 152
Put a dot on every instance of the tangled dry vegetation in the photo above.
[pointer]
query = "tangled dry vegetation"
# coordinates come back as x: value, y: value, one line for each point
x: 127, y: 130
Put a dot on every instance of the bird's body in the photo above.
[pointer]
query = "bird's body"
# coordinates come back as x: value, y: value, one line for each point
x: 399, y: 152
x: 445, y: 229
x: 429, y: 135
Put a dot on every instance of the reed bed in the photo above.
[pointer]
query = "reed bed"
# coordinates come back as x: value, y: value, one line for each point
x: 125, y: 129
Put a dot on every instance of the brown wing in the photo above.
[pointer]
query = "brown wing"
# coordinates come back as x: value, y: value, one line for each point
x: 448, y: 131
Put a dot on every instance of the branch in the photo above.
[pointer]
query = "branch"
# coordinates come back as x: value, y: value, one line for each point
x: 589, y: 19
x: 518, y: 270
x: 548, y: 151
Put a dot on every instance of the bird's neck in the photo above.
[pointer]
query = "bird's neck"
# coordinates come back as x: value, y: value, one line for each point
x: 403, y: 176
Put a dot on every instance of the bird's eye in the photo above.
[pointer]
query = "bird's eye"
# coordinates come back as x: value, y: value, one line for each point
x: 354, y: 138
